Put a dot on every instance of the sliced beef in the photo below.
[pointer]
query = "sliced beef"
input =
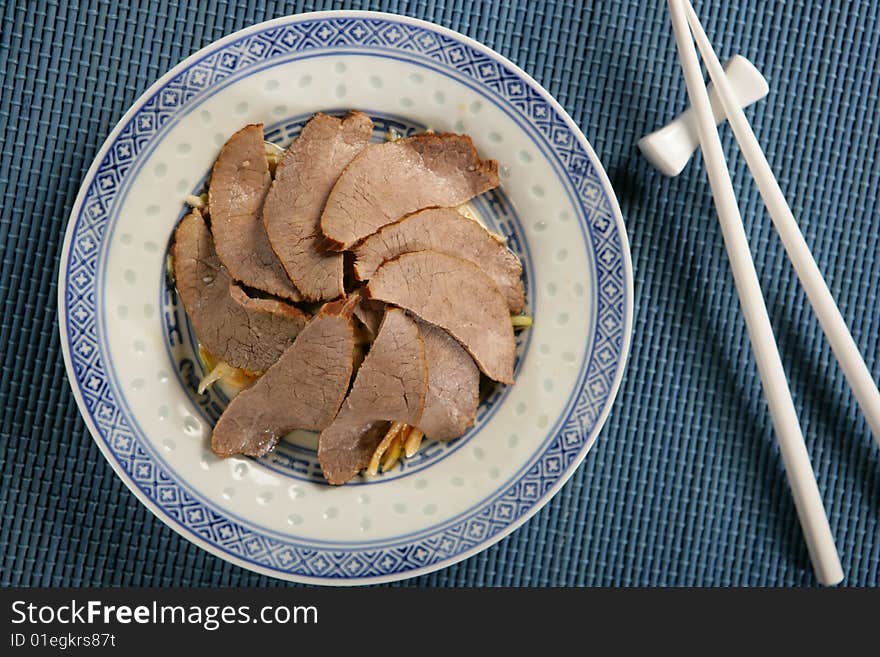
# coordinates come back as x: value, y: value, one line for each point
x: 239, y: 183
x: 293, y: 206
x: 457, y: 296
x: 302, y: 390
x: 387, y: 181
x: 244, y: 332
x: 391, y: 384
x: 453, y: 386
x: 370, y: 314
x: 448, y: 231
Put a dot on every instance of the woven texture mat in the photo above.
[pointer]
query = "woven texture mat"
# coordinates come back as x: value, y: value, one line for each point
x: 685, y: 485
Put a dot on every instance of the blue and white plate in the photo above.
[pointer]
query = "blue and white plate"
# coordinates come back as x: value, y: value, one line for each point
x: 129, y: 349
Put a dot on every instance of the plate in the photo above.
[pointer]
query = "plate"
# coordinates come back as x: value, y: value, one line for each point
x: 129, y: 349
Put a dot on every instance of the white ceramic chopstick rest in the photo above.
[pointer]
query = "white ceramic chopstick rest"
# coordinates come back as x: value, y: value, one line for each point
x: 670, y: 148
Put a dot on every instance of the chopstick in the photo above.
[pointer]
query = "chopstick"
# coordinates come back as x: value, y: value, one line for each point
x: 802, y: 480
x: 857, y: 374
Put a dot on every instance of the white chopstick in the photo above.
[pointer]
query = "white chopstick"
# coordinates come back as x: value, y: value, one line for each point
x: 802, y: 480
x: 851, y: 362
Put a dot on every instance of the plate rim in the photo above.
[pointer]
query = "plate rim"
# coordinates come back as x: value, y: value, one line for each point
x: 627, y: 318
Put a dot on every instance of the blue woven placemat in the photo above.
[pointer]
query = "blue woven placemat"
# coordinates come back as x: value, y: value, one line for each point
x: 685, y: 485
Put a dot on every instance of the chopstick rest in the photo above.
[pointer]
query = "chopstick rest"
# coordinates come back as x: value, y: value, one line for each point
x: 670, y: 148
